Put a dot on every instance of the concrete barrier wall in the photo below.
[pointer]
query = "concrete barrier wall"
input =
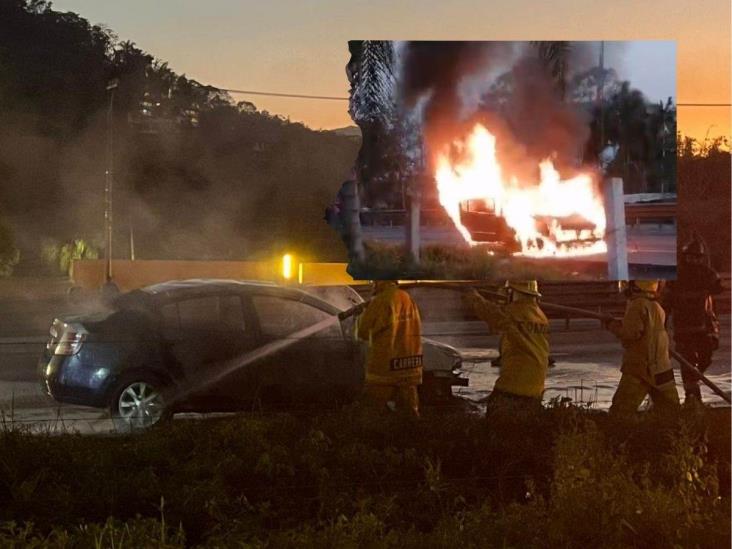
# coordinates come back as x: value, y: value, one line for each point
x: 325, y: 274
x: 129, y: 275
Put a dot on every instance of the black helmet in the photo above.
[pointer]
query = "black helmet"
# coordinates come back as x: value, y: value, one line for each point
x: 695, y: 246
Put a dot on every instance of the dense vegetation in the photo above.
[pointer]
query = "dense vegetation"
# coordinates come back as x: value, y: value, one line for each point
x: 196, y: 174
x: 705, y: 196
x: 444, y: 262
x: 566, y: 477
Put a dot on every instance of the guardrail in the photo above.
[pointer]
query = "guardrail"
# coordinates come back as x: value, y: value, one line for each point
x: 654, y: 211
x: 597, y: 296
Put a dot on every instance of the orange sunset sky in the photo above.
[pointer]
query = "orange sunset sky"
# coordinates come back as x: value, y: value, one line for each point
x: 301, y: 46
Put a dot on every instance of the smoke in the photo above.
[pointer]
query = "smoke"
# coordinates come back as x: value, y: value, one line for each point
x: 452, y: 75
x: 540, y: 123
x: 586, y: 55
x: 532, y: 121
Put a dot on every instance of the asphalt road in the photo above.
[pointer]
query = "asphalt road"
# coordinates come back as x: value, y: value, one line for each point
x: 586, y: 370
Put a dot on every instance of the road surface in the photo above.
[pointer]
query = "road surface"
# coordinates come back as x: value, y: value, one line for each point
x: 586, y: 369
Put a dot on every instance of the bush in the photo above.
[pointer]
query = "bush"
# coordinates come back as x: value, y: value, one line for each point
x: 437, y: 262
x: 60, y: 257
x: 565, y: 477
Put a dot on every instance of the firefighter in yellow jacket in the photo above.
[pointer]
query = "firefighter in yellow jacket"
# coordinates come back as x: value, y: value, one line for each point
x: 524, y: 344
x: 392, y: 327
x: 646, y: 367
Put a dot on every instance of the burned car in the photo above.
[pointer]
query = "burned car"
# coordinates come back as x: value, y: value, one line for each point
x: 217, y: 345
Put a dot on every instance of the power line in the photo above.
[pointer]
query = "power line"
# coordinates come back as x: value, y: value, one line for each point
x: 293, y: 95
x: 335, y: 98
x: 704, y: 104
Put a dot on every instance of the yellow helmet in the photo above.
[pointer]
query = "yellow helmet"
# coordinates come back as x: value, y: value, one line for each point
x: 528, y: 287
x: 650, y: 286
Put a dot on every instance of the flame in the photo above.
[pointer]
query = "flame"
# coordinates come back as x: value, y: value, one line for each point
x: 479, y: 176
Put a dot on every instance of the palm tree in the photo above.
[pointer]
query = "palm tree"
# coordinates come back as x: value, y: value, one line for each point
x: 626, y: 124
x: 555, y: 55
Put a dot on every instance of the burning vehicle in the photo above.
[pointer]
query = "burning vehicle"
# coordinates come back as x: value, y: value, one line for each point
x: 489, y: 134
x: 549, y: 218
x: 218, y: 345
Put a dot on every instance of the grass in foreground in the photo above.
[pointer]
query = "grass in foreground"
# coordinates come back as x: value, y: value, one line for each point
x: 566, y: 477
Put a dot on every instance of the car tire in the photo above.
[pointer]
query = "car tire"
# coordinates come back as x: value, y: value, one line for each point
x: 140, y: 402
x: 435, y: 390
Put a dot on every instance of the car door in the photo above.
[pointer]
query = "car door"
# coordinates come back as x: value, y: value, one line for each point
x: 319, y: 368
x: 205, y: 335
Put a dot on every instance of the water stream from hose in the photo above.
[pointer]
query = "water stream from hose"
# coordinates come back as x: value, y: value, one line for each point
x: 225, y: 368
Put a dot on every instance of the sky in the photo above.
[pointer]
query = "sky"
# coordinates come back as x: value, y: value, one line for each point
x: 296, y: 46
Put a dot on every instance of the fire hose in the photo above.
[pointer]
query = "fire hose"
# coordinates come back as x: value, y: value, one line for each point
x: 680, y: 359
x: 358, y: 309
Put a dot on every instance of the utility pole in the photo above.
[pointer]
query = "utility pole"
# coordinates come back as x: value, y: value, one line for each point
x: 600, y: 95
x: 109, y: 180
x: 414, y: 207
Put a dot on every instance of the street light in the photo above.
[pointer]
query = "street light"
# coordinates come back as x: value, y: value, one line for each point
x: 109, y: 180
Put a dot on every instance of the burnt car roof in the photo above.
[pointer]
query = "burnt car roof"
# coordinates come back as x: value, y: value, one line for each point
x: 204, y: 284
x: 149, y: 296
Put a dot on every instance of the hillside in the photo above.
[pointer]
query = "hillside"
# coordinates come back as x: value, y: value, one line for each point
x: 197, y: 175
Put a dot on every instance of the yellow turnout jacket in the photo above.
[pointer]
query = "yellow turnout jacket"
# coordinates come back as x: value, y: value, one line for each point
x: 645, y: 340
x: 524, y: 343
x: 393, y: 329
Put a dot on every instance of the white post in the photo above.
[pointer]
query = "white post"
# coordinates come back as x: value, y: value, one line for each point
x: 413, y: 221
x: 617, y: 242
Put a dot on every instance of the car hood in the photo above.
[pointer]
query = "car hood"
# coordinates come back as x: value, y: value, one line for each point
x: 440, y: 356
x: 341, y: 297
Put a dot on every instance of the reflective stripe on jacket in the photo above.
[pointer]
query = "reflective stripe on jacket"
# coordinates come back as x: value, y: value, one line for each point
x: 393, y: 329
x: 643, y: 335
x: 524, y: 344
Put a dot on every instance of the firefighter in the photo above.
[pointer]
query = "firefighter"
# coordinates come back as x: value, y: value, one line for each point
x: 392, y: 327
x: 524, y: 344
x: 646, y: 367
x: 689, y: 301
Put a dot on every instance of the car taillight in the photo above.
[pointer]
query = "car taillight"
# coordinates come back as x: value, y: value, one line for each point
x: 69, y: 344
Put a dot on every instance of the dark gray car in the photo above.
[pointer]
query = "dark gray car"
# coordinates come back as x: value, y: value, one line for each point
x: 214, y: 345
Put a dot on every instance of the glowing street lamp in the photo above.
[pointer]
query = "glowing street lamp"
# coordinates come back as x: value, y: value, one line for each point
x: 287, y: 270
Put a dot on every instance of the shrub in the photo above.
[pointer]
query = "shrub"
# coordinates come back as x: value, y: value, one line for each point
x: 438, y: 262
x: 60, y: 257
x: 564, y: 477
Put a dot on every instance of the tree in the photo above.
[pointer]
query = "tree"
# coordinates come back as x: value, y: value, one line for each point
x: 583, y: 86
x: 196, y: 175
x: 373, y: 107
x: 626, y: 124
x: 555, y: 55
x: 373, y: 99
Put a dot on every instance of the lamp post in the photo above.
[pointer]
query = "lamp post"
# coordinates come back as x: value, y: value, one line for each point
x: 601, y: 95
x: 109, y: 180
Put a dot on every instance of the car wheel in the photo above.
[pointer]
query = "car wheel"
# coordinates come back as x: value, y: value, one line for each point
x: 139, y: 403
x: 435, y: 390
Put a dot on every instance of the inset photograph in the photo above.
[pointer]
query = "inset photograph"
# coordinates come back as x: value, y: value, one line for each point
x: 494, y: 160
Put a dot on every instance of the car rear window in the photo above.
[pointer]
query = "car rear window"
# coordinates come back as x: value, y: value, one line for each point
x: 282, y: 317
